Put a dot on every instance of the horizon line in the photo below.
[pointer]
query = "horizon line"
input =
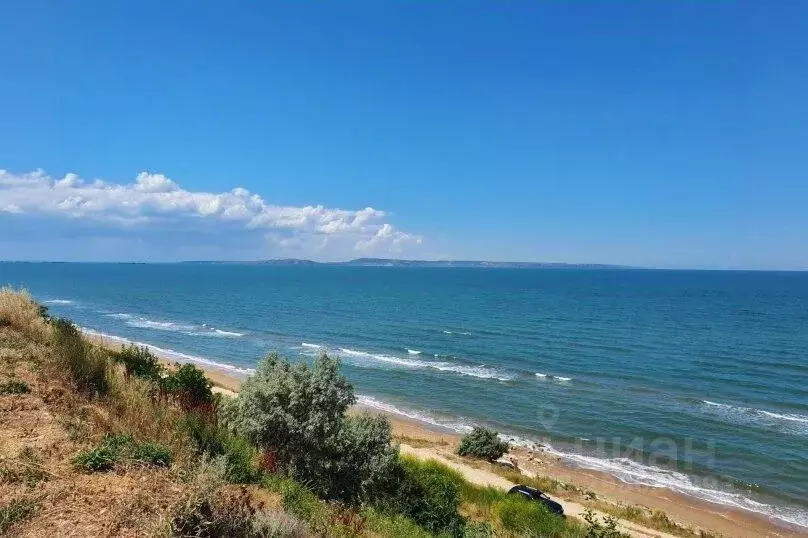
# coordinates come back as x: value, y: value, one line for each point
x: 482, y: 264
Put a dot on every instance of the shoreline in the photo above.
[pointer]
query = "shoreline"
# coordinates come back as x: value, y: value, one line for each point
x: 431, y: 440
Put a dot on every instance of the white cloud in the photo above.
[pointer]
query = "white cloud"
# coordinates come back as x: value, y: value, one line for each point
x: 389, y: 236
x: 156, y: 200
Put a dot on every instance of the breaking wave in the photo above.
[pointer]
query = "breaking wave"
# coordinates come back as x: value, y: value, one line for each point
x: 791, y: 423
x: 143, y: 322
x: 482, y: 371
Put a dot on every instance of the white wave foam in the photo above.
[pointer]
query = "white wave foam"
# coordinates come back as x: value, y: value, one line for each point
x: 456, y: 332
x: 226, y: 333
x: 413, y: 352
x: 373, y: 403
x: 145, y: 323
x: 633, y: 472
x: 552, y: 377
x: 481, y: 372
x: 792, y: 418
x: 58, y: 301
x: 791, y: 423
x: 170, y: 354
x: 142, y: 322
x: 313, y: 346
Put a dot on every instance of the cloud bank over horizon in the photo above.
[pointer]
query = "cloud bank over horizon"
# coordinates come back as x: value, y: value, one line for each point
x: 155, y: 203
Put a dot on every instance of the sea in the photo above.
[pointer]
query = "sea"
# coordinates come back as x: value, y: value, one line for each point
x: 692, y: 380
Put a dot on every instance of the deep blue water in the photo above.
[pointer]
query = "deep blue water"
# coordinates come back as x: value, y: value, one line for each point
x: 692, y: 379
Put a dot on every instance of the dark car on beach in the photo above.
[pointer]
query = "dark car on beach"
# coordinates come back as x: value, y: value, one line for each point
x: 535, y: 495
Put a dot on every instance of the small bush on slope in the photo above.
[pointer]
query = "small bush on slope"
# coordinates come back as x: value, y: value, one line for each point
x: 213, y: 439
x: 482, y: 443
x: 153, y: 454
x: 114, y: 448
x: 15, y: 511
x: 14, y: 387
x: 190, y: 386
x: 140, y: 362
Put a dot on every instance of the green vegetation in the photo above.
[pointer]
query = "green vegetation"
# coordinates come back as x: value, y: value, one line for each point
x: 190, y: 386
x: 14, y: 387
x: 139, y: 362
x: 526, y: 518
x: 186, y: 383
x: 115, y: 448
x: 99, y: 459
x: 428, y: 493
x: 152, y: 454
x: 296, y: 414
x: 13, y: 512
x: 482, y: 443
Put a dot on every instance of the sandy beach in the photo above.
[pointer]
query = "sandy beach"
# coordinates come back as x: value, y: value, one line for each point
x: 428, y: 441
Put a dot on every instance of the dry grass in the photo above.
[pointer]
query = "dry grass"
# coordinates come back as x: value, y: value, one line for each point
x: 419, y: 442
x: 132, y: 406
x: 76, y: 393
x: 19, y: 311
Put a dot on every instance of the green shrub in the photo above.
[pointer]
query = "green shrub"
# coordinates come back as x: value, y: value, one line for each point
x: 297, y: 413
x: 99, y: 459
x: 205, y: 431
x: 528, y: 518
x: 15, y: 511
x: 293, y: 409
x: 214, y: 440
x: 482, y: 443
x: 152, y: 453
x: 428, y: 494
x: 190, y: 386
x: 240, y: 456
x: 88, y: 366
x: 139, y: 362
x: 14, y: 387
x: 361, y: 466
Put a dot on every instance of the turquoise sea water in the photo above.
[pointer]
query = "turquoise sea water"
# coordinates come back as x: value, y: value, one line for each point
x: 693, y: 380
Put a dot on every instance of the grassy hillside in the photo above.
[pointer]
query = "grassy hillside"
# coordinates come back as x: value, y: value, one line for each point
x: 95, y: 442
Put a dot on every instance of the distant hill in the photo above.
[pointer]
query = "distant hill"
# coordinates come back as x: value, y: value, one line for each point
x: 389, y: 262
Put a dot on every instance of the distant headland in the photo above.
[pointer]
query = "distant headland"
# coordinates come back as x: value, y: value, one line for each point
x: 390, y: 262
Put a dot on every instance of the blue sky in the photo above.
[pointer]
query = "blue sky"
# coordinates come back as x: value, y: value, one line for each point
x: 670, y: 134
